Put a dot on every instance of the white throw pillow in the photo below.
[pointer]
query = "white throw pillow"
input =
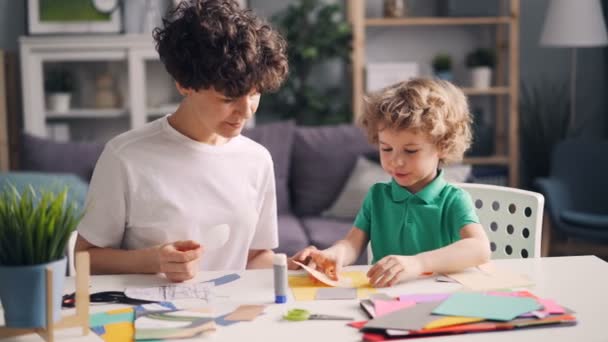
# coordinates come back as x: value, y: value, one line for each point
x: 365, y: 174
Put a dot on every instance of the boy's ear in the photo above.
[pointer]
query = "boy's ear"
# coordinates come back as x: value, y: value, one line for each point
x: 183, y: 91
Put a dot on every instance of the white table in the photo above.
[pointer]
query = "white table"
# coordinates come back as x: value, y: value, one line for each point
x: 579, y: 283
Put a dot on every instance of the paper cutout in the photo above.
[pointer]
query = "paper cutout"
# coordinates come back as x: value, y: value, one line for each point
x: 303, y: 288
x: 424, y: 297
x: 368, y: 306
x: 478, y: 280
x: 246, y: 313
x: 117, y: 325
x: 228, y: 278
x: 412, y: 318
x: 383, y: 307
x: 451, y: 320
x: 322, y: 277
x: 172, y: 292
x: 381, y: 296
x: 325, y: 293
x: 481, y: 305
x: 154, y: 323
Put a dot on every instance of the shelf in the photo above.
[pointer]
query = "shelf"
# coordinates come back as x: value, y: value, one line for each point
x: 419, y: 21
x: 489, y: 160
x: 486, y: 91
x: 87, y: 113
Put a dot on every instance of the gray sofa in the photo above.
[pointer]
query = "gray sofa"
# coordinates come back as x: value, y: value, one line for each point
x: 312, y: 165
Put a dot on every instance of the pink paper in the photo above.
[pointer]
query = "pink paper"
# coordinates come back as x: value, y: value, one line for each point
x: 423, y: 298
x: 550, y: 308
x: 383, y: 307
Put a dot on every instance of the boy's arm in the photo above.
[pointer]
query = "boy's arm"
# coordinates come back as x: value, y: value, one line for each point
x: 472, y: 250
x: 351, y: 246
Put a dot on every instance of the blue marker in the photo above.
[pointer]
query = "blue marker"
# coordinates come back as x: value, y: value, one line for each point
x: 279, y: 266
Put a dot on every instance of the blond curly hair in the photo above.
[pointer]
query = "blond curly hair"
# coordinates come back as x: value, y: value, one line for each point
x: 431, y: 106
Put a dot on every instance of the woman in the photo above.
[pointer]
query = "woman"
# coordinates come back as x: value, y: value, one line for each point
x: 157, y: 192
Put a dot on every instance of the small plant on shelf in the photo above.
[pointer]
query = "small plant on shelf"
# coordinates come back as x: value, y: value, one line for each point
x: 480, y: 63
x: 59, y: 85
x: 59, y: 81
x: 481, y: 57
x: 442, y: 66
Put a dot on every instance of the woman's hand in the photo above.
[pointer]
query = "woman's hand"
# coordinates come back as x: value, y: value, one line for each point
x: 394, y: 269
x: 179, y: 261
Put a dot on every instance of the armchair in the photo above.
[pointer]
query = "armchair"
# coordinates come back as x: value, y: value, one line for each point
x: 575, y: 192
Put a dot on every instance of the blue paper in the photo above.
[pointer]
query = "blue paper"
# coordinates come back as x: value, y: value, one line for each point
x: 498, y: 308
x: 223, y: 279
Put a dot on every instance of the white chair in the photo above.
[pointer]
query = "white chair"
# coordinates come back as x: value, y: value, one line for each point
x: 512, y: 219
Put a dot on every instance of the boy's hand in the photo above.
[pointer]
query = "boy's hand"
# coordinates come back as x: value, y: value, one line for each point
x: 393, y: 269
x: 301, y: 257
x: 327, y: 261
x: 179, y: 261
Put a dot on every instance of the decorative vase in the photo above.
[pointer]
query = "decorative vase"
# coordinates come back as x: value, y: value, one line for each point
x: 59, y: 102
x: 481, y: 77
x: 23, y: 293
x: 394, y: 8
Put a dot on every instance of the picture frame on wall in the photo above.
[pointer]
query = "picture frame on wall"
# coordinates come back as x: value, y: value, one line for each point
x: 73, y: 16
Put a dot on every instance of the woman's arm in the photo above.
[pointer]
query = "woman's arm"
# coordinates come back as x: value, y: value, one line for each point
x: 259, y: 258
x: 179, y: 260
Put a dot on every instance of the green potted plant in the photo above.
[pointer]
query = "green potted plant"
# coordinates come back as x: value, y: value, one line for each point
x: 480, y: 63
x: 316, y: 34
x: 442, y: 66
x: 34, y: 229
x: 59, y: 85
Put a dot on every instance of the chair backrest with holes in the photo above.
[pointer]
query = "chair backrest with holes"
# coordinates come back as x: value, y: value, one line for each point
x: 512, y: 218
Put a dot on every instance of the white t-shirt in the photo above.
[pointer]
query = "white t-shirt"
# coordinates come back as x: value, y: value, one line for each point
x: 154, y: 185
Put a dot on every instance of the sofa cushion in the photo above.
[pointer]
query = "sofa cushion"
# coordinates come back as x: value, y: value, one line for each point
x: 365, y: 174
x: 45, y: 155
x: 292, y: 237
x: 323, y: 158
x: 53, y: 182
x: 324, y: 232
x: 277, y: 137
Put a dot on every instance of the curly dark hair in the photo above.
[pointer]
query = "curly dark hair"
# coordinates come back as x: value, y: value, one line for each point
x: 214, y: 43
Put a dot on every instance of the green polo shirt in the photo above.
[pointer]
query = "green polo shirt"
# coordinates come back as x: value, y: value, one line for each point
x: 402, y: 223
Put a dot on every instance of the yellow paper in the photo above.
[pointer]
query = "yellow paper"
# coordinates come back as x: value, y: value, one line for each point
x: 119, y: 332
x: 303, y: 288
x: 451, y: 320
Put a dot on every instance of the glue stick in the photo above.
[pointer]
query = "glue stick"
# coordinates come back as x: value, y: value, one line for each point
x: 279, y: 265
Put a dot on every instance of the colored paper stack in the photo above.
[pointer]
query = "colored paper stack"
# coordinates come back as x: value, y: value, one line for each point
x: 418, y: 315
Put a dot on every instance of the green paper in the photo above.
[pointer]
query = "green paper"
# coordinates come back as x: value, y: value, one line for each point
x: 498, y: 308
x: 104, y: 318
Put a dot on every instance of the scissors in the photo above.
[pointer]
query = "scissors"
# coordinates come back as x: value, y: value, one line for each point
x: 69, y: 300
x: 295, y: 315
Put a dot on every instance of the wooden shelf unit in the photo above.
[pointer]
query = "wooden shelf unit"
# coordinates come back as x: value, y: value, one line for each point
x: 506, y: 89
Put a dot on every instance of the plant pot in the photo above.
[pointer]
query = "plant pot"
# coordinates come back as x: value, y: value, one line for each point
x: 59, y: 102
x: 444, y: 75
x: 481, y: 77
x: 23, y: 293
